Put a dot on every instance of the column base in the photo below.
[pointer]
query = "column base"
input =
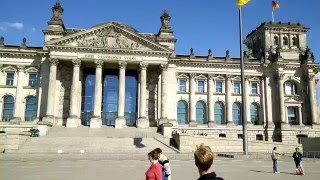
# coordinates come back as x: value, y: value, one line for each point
x: 173, y: 122
x: 95, y: 122
x: 316, y: 126
x: 284, y: 125
x: 193, y: 124
x: 230, y: 124
x: 211, y: 124
x: 271, y: 125
x: 16, y: 120
x: 49, y: 119
x: 120, y: 122
x: 73, y: 122
x: 142, y: 122
x: 163, y: 120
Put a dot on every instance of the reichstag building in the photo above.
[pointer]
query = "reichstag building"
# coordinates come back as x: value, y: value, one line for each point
x: 113, y: 75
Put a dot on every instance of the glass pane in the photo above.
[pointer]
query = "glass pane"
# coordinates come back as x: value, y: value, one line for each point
x: 200, y: 113
x: 219, y: 87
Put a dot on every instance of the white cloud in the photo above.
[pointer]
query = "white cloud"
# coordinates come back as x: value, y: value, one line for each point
x: 11, y: 25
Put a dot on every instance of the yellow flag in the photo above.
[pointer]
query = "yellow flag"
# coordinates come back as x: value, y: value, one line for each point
x: 241, y: 3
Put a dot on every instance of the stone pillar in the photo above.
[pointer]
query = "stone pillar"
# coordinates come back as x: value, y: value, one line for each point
x: 229, y: 101
x: 283, y: 109
x: 210, y: 100
x: 313, y: 100
x: 96, y: 121
x: 248, y: 104
x: 51, y: 91
x: 120, y: 121
x: 300, y: 116
x: 263, y: 102
x: 143, y: 122
x: 268, y: 99
x: 192, y: 104
x: 18, y: 100
x: 73, y: 119
x: 164, y: 95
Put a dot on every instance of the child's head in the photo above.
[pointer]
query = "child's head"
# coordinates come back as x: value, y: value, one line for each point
x: 158, y: 150
x: 203, y: 157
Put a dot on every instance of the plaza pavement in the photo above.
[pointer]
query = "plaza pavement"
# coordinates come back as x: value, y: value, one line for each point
x: 76, y: 169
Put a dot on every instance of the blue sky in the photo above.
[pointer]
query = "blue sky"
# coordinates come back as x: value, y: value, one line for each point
x: 200, y: 24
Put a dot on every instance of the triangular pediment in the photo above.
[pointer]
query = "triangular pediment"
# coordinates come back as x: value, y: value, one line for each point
x: 9, y: 68
x: 112, y: 36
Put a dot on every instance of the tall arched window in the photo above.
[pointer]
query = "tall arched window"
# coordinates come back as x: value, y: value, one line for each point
x: 254, y: 113
x: 276, y: 40
x: 31, y: 108
x: 219, y: 113
x: 201, y: 112
x: 294, y: 41
x: 285, y: 41
x: 236, y: 113
x: 8, y: 106
x: 182, y: 112
x: 290, y: 88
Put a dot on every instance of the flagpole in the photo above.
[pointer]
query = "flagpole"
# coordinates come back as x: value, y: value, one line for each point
x: 243, y: 92
x: 272, y: 16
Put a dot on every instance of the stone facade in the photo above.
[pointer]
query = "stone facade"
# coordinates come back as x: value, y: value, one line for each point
x: 279, y: 78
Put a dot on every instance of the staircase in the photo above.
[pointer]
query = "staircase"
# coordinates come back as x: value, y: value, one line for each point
x: 106, y: 140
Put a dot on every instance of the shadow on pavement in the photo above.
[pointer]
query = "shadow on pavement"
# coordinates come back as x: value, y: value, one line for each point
x: 270, y: 172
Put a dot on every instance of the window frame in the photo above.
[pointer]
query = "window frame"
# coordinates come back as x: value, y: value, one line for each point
x: 10, y: 80
x: 236, y: 82
x: 33, y: 80
x: 257, y: 87
x: 296, y: 116
x: 203, y: 88
x: 216, y: 87
x: 180, y: 86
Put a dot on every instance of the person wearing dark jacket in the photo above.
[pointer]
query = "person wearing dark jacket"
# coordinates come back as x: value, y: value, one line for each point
x: 297, y: 157
x: 203, y: 157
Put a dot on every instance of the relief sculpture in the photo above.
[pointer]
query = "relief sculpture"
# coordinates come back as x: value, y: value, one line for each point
x: 109, y: 39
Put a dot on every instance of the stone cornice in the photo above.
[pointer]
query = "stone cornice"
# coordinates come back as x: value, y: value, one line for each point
x: 215, y: 64
x: 22, y: 53
x: 93, y: 49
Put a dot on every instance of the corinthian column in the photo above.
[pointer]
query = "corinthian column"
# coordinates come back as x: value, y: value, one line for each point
x: 51, y: 91
x: 247, y: 105
x: 210, y: 101
x: 96, y: 121
x: 164, y: 94
x: 18, y: 101
x: 229, y: 101
x: 268, y: 99
x: 192, y: 100
x: 73, y: 120
x: 143, y: 121
x: 282, y: 109
x: 313, y: 100
x: 120, y: 121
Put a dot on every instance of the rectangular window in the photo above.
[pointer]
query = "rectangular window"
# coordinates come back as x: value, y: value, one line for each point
x: 10, y: 79
x: 236, y: 88
x: 32, y: 80
x: 254, y: 88
x: 292, y: 116
x: 218, y: 87
x: 182, y: 85
x: 200, y: 86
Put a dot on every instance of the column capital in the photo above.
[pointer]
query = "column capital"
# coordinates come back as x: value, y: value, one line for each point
x: 211, y: 76
x: 193, y: 75
x: 76, y: 62
x: 164, y: 66
x: 122, y: 65
x: 280, y: 76
x: 246, y: 77
x: 143, y: 65
x: 311, y: 77
x: 229, y: 76
x: 21, y: 68
x: 53, y: 61
x: 98, y: 63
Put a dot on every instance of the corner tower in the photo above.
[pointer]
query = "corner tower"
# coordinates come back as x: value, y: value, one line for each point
x: 288, y: 38
x: 165, y: 36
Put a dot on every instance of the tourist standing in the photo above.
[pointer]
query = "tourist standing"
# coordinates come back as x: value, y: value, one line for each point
x: 155, y: 170
x: 203, y: 158
x: 275, y: 157
x: 297, y: 157
x: 164, y: 161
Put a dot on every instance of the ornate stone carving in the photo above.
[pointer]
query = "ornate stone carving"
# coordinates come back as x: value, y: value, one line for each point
x: 57, y: 12
x: 98, y: 63
x: 229, y: 77
x: 191, y: 52
x: 122, y: 64
x: 227, y: 54
x: 21, y: 68
x: 311, y: 77
x: 143, y: 65
x: 164, y: 66
x: 109, y: 38
x: 165, y: 21
x: 76, y: 62
x: 193, y: 75
x: 247, y: 78
x: 211, y: 76
x: 280, y: 76
x: 1, y: 41
x: 53, y: 61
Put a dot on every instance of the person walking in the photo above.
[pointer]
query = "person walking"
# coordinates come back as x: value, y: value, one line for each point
x: 155, y: 170
x: 203, y: 158
x: 297, y: 158
x: 164, y: 161
x: 275, y: 156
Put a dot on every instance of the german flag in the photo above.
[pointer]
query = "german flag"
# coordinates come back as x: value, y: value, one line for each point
x: 275, y: 5
x: 241, y: 3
